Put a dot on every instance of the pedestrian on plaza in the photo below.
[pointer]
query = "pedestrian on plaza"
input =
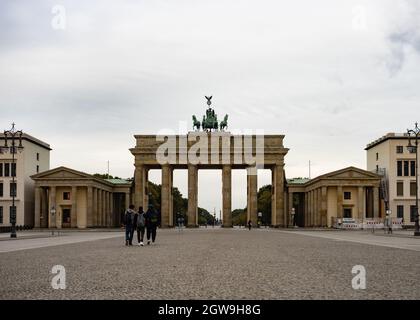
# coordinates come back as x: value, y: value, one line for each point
x: 129, y: 225
x: 388, y: 223
x: 249, y: 225
x: 140, y: 225
x: 152, y: 221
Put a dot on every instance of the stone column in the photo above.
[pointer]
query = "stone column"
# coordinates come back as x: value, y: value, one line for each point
x: 252, y: 195
x: 73, y: 217
x: 306, y: 222
x: 165, y: 196
x: 127, y: 202
x: 273, y: 197
x: 111, y: 211
x: 171, y: 198
x: 89, y: 210
x: 339, y: 202
x: 95, y: 207
x: 289, y: 211
x: 360, y: 202
x: 192, y: 196
x: 280, y: 196
x: 312, y: 208
x: 309, y: 195
x: 227, y: 195
x: 106, y: 211
x: 100, y: 208
x: 44, y: 208
x: 52, y: 219
x: 146, y: 189
x: 375, y: 202
x: 324, y: 198
x: 139, y: 187
x: 317, y: 207
x: 37, y: 222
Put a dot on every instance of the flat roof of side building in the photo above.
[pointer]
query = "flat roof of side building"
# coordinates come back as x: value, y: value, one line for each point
x: 32, y: 139
x: 388, y: 136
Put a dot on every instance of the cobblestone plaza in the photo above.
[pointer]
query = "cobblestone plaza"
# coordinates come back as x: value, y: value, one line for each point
x: 211, y: 264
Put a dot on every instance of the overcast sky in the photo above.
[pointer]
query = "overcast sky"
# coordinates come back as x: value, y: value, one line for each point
x: 330, y: 75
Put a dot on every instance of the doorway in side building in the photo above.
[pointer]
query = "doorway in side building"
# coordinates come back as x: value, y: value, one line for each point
x: 66, y: 223
x: 347, y: 213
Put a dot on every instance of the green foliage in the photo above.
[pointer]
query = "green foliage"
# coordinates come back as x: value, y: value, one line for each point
x: 264, y: 203
x: 239, y: 217
x: 104, y: 176
x: 180, y: 204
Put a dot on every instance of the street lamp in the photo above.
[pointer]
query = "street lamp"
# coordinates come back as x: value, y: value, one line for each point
x: 413, y: 134
x: 53, y: 212
x: 12, y: 134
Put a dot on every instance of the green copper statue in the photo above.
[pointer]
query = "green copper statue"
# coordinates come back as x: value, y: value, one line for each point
x: 210, y: 119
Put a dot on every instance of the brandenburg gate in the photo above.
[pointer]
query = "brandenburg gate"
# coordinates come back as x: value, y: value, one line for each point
x: 210, y: 149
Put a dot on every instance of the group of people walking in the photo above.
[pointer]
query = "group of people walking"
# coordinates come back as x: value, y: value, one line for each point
x: 142, y: 222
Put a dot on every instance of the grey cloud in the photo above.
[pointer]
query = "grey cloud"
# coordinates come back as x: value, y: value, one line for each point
x: 406, y: 35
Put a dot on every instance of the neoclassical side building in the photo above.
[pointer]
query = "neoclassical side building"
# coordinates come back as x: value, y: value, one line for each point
x: 347, y: 193
x: 66, y: 198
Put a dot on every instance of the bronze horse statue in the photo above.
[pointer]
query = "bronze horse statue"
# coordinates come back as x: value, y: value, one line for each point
x: 223, y: 123
x: 196, y: 123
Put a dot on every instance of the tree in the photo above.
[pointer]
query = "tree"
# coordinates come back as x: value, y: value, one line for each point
x: 104, y: 176
x: 264, y: 203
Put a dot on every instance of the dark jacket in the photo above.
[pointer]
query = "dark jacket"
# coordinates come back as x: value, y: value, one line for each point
x: 152, y: 218
x: 129, y: 218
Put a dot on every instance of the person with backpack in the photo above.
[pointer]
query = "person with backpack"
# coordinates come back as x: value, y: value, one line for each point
x: 152, y: 221
x: 129, y: 225
x: 140, y: 223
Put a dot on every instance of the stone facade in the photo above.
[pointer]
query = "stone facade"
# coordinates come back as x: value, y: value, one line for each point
x: 79, y: 200
x: 34, y: 158
x: 230, y: 153
x: 384, y: 156
x: 350, y: 191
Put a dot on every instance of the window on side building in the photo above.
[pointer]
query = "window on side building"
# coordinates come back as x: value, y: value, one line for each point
x: 406, y: 163
x: 400, y: 211
x: 13, y: 189
x: 400, y: 149
x: 400, y: 188
x: 412, y: 188
x: 412, y: 213
x: 399, y: 168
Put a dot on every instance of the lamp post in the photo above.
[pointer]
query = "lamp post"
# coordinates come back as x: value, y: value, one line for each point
x: 13, y: 134
x: 413, y: 134
x: 53, y: 211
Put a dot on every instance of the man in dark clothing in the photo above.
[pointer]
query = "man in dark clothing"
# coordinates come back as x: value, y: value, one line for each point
x: 129, y: 225
x: 152, y: 221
